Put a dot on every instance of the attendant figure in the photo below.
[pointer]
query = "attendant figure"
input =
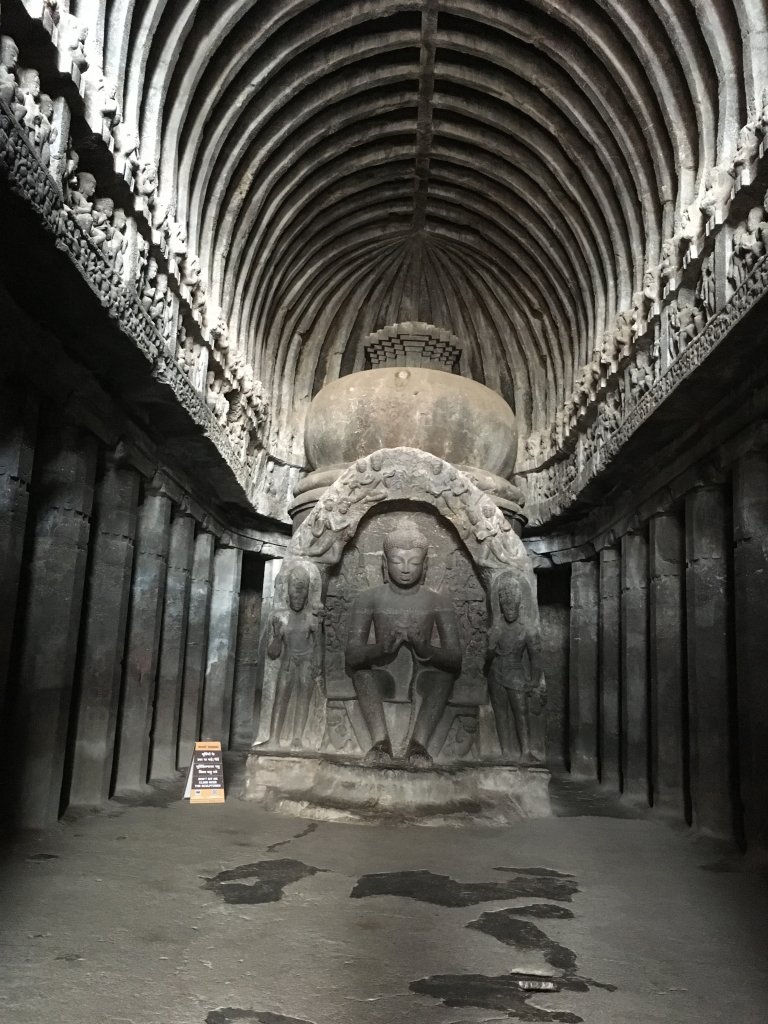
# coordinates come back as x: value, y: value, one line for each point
x: 294, y: 642
x: 514, y: 686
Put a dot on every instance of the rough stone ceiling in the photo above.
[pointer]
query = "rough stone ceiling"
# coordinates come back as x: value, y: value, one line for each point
x: 503, y: 169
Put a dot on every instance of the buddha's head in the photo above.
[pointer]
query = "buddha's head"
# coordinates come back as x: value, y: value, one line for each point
x: 405, y: 557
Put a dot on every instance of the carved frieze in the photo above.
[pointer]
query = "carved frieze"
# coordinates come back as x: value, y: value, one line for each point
x: 92, y: 232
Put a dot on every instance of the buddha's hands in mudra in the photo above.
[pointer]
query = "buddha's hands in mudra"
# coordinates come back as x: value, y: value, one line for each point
x: 393, y: 643
x: 420, y: 645
x: 412, y: 639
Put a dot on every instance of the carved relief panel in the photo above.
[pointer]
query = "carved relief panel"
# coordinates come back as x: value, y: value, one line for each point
x: 450, y: 572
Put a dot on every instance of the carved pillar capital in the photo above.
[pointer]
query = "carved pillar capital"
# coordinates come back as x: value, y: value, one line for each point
x: 163, y: 486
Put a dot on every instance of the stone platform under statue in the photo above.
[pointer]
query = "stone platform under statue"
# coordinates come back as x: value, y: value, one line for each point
x: 325, y: 787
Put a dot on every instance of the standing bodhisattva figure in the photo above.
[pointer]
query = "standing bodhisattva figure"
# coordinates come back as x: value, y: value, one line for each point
x: 294, y: 641
x: 403, y: 612
x: 513, y: 686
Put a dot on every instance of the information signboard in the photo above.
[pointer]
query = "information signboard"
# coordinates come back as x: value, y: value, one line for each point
x: 205, y: 782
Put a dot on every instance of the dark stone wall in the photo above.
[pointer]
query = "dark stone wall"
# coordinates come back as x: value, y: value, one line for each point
x: 121, y: 622
x: 669, y: 639
x: 246, y: 701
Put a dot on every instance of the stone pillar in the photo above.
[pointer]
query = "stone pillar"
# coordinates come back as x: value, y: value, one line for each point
x: 245, y: 701
x: 634, y: 664
x: 170, y: 666
x: 667, y: 662
x: 709, y: 702
x: 196, y: 647
x: 143, y: 641
x: 554, y: 594
x: 18, y: 424
x: 222, y: 640
x: 62, y: 496
x: 583, y: 669
x: 108, y: 591
x: 750, y: 565
x: 610, y: 668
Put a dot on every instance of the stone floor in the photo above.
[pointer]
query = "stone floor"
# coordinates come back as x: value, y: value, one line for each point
x: 210, y: 915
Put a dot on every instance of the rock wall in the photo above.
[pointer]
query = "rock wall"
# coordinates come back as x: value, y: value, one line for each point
x: 666, y: 649
x: 120, y: 598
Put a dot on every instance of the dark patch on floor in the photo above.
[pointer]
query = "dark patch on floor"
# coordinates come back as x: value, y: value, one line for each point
x: 502, y: 992
x: 43, y: 856
x: 313, y: 826
x: 262, y: 882
x: 229, y: 1015
x: 446, y: 892
x: 513, y: 927
x: 510, y: 927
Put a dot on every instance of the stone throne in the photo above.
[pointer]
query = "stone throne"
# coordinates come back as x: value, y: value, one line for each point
x: 403, y: 675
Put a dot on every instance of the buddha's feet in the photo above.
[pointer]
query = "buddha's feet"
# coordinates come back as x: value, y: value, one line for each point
x: 380, y: 753
x: 418, y: 756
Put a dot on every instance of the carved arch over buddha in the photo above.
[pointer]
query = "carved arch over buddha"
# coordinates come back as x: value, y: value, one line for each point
x: 408, y: 482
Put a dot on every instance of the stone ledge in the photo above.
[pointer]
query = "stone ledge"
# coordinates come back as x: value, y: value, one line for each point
x: 343, y: 790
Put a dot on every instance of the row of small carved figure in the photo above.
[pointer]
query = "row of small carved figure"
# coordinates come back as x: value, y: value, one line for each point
x: 686, y: 318
x: 20, y: 90
x: 237, y: 402
x: 685, y: 323
x: 226, y: 381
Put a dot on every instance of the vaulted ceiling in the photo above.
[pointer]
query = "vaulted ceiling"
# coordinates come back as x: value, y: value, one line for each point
x: 502, y: 168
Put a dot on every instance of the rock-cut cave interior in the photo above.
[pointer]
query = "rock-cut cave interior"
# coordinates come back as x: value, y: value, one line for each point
x: 384, y: 511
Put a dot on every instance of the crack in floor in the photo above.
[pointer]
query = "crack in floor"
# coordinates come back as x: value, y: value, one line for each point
x: 231, y: 1015
x: 313, y: 826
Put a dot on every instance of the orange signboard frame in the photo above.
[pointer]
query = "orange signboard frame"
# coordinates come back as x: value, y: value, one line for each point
x: 206, y: 769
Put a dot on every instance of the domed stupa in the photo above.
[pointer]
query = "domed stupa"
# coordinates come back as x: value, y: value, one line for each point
x: 412, y: 394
